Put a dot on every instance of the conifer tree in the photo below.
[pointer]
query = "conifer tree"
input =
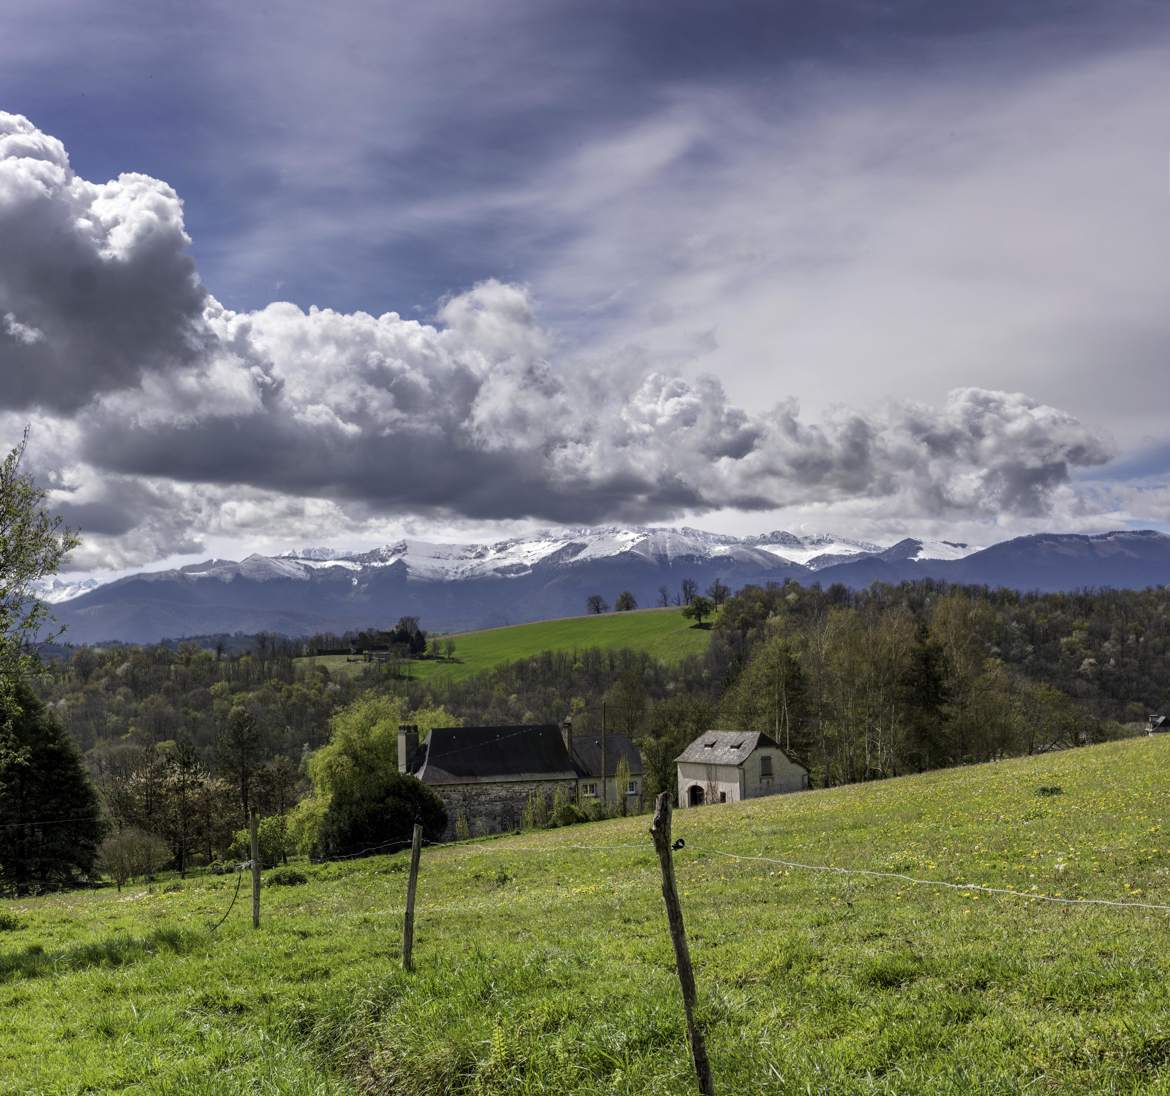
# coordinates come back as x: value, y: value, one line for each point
x: 49, y: 824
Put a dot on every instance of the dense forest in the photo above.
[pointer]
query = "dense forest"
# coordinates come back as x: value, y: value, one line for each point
x: 182, y: 741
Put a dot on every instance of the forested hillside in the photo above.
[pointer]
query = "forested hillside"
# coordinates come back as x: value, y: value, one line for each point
x: 855, y: 685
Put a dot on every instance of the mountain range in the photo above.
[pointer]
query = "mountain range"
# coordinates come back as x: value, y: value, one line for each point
x: 454, y: 587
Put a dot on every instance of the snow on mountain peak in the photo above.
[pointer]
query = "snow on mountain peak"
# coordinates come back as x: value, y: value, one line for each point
x: 56, y: 589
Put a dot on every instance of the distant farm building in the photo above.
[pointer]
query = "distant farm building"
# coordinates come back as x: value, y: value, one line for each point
x: 729, y: 766
x: 486, y: 775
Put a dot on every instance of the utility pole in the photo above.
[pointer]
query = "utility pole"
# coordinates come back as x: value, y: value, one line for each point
x: 604, y: 773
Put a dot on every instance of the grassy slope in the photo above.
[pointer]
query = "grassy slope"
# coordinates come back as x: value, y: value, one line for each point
x: 544, y: 967
x: 664, y: 633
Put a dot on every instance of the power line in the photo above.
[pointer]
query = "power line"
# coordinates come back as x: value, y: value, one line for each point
x: 52, y: 821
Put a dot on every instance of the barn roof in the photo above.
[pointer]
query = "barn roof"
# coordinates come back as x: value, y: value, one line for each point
x: 473, y: 755
x: 587, y: 754
x: 725, y: 747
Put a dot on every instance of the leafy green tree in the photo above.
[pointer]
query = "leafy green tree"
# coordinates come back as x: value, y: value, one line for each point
x: 770, y: 695
x: 360, y: 800
x: 698, y: 608
x: 535, y: 814
x: 48, y: 810
x: 378, y: 811
x: 670, y: 726
x: 621, y: 780
x: 240, y: 749
x: 32, y: 547
x: 273, y: 837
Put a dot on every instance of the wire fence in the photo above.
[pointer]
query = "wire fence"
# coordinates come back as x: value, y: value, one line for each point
x: 496, y: 845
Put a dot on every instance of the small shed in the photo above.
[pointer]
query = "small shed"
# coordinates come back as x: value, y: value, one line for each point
x: 729, y: 766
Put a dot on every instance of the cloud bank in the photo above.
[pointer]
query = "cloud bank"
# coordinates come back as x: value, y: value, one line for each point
x: 163, y: 405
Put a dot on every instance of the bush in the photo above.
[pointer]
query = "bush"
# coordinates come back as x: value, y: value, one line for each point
x: 131, y: 852
x: 568, y: 814
x: 9, y: 922
x: 379, y: 811
x: 286, y: 877
x: 275, y: 843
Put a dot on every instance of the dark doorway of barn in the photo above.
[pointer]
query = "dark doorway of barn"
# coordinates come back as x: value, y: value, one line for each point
x: 695, y: 796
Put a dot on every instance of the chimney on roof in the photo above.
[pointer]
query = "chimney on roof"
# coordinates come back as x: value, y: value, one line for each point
x: 567, y: 733
x: 407, y: 746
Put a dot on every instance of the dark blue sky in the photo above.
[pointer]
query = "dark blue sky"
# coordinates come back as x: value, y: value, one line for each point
x: 229, y: 103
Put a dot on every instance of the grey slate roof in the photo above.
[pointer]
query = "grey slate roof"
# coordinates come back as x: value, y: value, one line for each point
x: 488, y: 755
x: 724, y: 747
x: 587, y: 754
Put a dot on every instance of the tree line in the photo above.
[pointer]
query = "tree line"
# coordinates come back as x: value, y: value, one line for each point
x: 695, y: 606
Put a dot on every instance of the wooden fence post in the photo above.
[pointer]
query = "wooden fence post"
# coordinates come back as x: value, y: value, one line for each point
x: 254, y: 833
x: 411, y: 885
x: 660, y: 831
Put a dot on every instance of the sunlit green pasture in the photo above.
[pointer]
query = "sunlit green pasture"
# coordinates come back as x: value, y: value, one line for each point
x: 543, y: 967
x: 663, y: 633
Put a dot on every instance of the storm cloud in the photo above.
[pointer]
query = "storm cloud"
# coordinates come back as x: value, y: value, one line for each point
x: 170, y: 398
x: 96, y: 287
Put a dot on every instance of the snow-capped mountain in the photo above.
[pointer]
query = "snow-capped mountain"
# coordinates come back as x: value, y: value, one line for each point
x: 428, y: 561
x: 550, y: 573
x: 55, y: 590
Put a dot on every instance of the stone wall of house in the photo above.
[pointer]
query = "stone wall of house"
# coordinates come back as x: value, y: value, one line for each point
x: 494, y: 808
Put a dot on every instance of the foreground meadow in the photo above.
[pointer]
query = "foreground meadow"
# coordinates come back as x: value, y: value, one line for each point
x: 544, y: 966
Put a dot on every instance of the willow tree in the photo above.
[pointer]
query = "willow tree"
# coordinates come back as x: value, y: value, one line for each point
x: 33, y: 544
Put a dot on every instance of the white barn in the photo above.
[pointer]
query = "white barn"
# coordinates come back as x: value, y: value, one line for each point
x: 727, y: 766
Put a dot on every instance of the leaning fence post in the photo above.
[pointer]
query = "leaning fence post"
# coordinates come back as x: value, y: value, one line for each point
x: 660, y: 831
x: 411, y: 884
x: 254, y: 834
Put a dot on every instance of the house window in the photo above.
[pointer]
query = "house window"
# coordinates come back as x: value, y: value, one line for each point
x: 708, y: 745
x: 766, y: 769
x: 632, y: 788
x: 589, y: 789
x: 723, y: 797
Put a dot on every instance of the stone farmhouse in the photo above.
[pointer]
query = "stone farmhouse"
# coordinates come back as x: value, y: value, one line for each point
x: 487, y: 774
x: 727, y: 766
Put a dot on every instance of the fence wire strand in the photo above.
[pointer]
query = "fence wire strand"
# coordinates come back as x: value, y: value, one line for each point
x: 872, y: 873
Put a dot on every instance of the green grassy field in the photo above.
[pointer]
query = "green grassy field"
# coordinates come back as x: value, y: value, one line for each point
x: 545, y: 967
x: 664, y: 633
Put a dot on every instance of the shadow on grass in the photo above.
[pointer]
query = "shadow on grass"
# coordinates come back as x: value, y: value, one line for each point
x: 115, y: 951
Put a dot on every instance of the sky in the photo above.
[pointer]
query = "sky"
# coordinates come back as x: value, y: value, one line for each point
x: 279, y: 274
